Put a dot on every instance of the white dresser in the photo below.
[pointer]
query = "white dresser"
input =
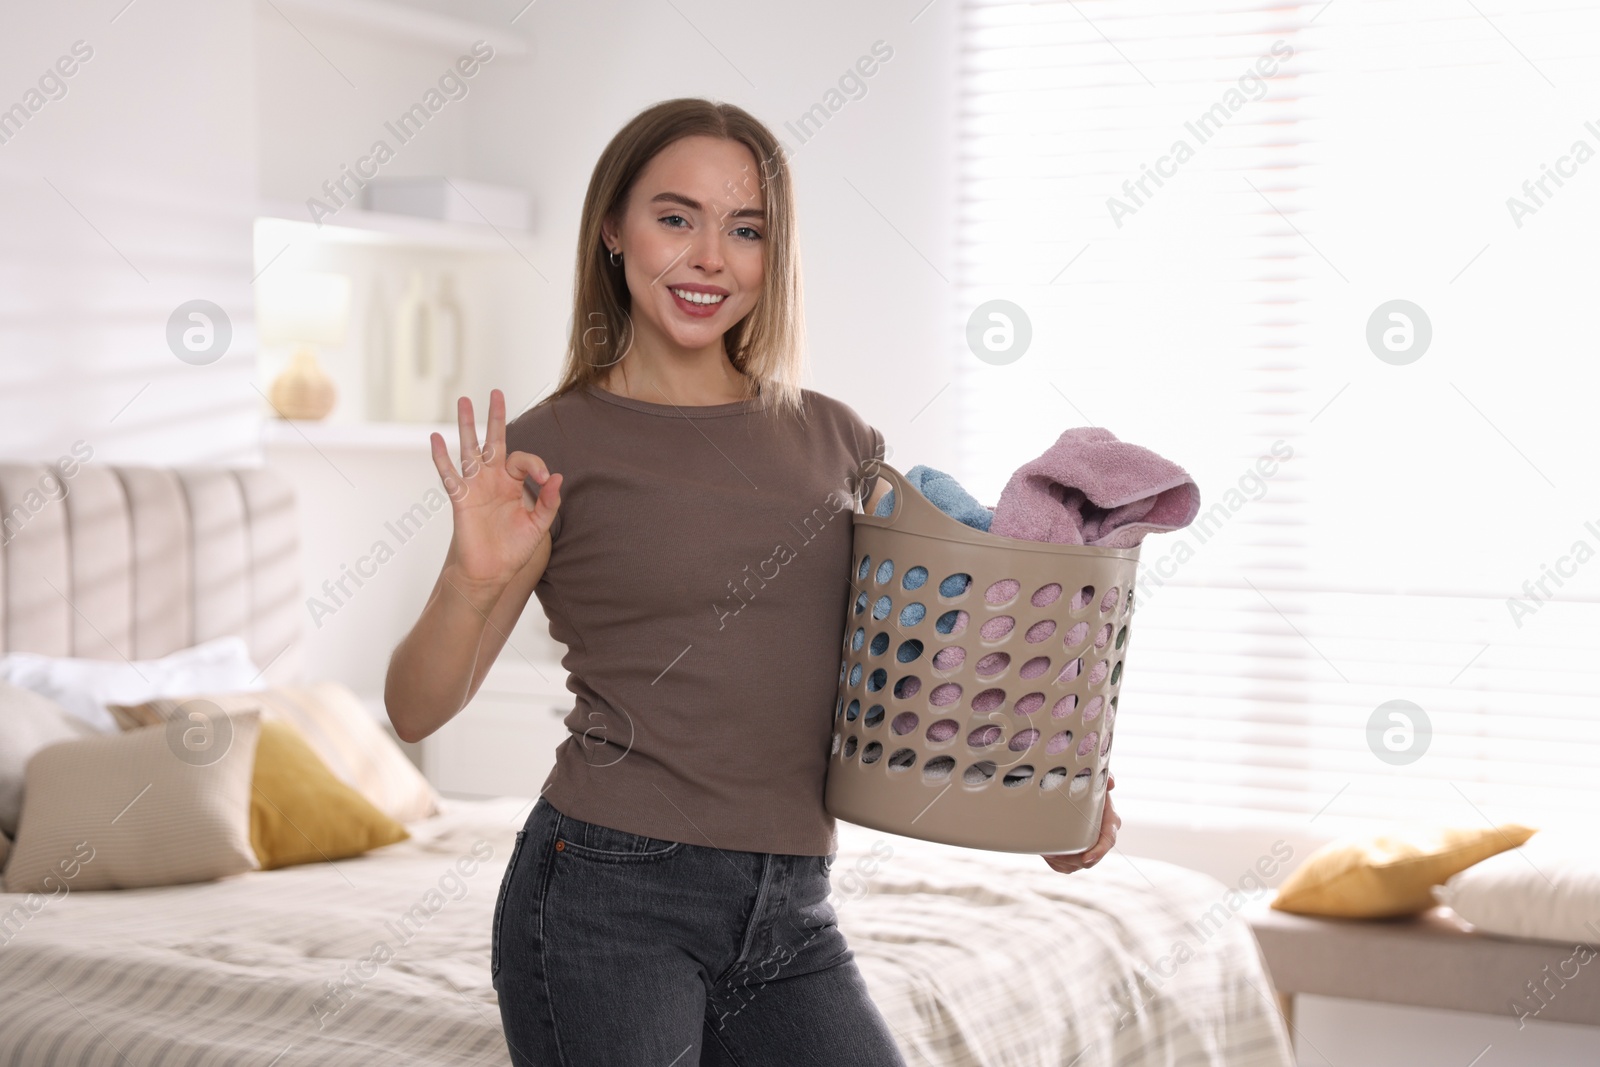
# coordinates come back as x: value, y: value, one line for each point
x: 503, y: 743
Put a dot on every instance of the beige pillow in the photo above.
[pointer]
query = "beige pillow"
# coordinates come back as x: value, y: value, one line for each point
x: 153, y: 806
x: 28, y: 722
x: 1390, y: 874
x: 340, y: 730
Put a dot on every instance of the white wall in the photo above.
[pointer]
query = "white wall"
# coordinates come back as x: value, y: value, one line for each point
x: 126, y: 197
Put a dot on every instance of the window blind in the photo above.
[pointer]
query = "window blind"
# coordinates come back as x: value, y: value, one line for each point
x: 1203, y: 210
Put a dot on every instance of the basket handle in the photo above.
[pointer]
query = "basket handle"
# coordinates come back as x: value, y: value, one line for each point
x: 906, y: 496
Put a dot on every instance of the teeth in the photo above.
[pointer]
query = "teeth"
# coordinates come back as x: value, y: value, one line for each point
x: 698, y: 298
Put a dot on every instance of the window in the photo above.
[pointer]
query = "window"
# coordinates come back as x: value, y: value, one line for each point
x: 1205, y: 211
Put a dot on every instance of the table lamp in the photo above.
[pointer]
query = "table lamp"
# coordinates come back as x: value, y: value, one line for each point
x: 304, y: 309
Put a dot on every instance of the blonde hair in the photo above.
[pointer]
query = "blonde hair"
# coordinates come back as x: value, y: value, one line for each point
x: 767, y: 344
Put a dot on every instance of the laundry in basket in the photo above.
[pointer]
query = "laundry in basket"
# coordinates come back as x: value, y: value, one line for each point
x: 978, y: 683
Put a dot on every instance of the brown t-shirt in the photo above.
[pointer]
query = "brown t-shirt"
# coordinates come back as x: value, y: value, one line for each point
x: 699, y: 577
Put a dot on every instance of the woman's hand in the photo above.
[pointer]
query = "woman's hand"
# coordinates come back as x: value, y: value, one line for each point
x: 1067, y: 862
x: 496, y: 532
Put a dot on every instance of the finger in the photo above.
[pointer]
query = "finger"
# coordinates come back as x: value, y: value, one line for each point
x: 467, y: 430
x: 442, y: 464
x: 495, y: 437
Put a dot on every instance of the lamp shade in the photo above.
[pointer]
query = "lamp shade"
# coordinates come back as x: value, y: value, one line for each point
x: 302, y: 307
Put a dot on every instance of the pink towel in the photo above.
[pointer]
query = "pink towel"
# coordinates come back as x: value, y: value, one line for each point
x: 1091, y: 489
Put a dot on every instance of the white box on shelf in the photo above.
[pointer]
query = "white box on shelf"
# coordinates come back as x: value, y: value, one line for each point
x: 449, y: 199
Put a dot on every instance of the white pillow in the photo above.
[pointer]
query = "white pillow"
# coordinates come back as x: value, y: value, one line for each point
x: 85, y: 686
x: 1547, y: 889
x: 28, y: 722
x: 138, y: 808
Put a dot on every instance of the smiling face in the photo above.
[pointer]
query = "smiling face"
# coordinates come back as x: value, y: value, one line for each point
x: 693, y: 223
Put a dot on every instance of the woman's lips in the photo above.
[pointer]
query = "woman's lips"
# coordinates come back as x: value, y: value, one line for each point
x: 699, y: 311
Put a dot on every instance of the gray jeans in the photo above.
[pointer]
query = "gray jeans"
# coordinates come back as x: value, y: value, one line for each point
x: 611, y: 949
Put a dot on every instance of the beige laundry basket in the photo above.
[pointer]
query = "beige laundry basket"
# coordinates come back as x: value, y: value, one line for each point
x: 996, y: 742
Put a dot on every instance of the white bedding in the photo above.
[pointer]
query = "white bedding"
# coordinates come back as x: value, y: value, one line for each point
x: 976, y: 959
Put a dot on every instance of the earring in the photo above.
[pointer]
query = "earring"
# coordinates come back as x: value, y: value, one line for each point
x: 616, y: 260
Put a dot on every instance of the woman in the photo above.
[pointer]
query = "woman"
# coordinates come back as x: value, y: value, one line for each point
x: 667, y: 899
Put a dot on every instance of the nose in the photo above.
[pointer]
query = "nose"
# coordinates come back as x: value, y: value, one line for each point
x: 705, y: 251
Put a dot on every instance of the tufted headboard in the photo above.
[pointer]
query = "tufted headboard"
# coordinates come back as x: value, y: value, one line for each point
x: 107, y: 562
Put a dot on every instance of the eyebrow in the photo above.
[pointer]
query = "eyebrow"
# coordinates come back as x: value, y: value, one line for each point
x: 695, y: 205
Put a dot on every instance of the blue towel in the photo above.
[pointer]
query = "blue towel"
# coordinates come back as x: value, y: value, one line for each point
x: 946, y: 494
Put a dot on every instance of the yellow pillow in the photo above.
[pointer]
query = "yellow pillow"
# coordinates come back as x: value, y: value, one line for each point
x: 1390, y: 874
x: 301, y: 813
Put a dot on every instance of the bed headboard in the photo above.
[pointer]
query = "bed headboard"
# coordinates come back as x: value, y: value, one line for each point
x: 108, y: 562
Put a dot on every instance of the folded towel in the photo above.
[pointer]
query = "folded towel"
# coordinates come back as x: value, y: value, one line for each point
x: 1089, y: 488
x: 946, y: 494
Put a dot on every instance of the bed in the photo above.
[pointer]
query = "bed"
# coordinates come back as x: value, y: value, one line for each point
x: 1131, y: 963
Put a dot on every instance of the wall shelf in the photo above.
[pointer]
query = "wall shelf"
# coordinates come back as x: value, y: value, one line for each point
x: 291, y: 223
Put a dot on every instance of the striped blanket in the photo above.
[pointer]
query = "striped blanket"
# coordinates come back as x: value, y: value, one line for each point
x: 974, y: 958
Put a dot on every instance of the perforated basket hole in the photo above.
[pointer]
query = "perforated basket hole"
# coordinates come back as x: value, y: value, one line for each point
x: 988, y: 701
x: 1105, y: 748
x: 1053, y: 778
x: 993, y: 665
x: 908, y: 651
x: 996, y: 628
x: 1091, y: 710
x: 984, y: 736
x: 1046, y: 595
x: 938, y: 768
x: 1127, y: 601
x: 874, y: 716
x: 838, y: 708
x: 852, y: 711
x: 855, y: 675
x: 1034, y: 667
x: 948, y: 659
x: 885, y: 571
x: 1102, y: 636
x: 877, y: 680
x: 1108, y: 601
x: 871, y: 753
x: 1086, y: 745
x: 980, y: 773
x: 1122, y: 636
x: 943, y: 730
x: 850, y: 746
x: 1002, y: 592
x: 1022, y: 740
x: 861, y: 603
x: 1030, y: 704
x: 1065, y: 706
x: 1058, y: 742
x: 1082, y: 597
x: 955, y: 586
x: 914, y: 579
x: 857, y: 639
x: 880, y: 607
x: 907, y: 687
x: 862, y: 568
x: 902, y: 759
x: 951, y: 623
x: 1116, y: 673
x: 1075, y: 636
x: 1080, y: 783
x: 944, y: 694
x: 1017, y: 776
x: 880, y: 644
x: 1040, y: 631
x: 1070, y: 671
x: 904, y: 722
x: 912, y: 614
x: 1097, y: 673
